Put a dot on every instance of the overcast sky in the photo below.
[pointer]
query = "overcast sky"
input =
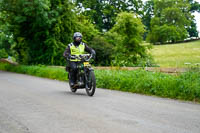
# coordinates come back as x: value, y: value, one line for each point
x: 197, y: 17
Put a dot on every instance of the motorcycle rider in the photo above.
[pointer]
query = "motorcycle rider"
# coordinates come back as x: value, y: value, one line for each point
x: 75, y: 48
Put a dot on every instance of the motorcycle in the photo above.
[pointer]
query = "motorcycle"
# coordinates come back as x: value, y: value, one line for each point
x: 85, y: 77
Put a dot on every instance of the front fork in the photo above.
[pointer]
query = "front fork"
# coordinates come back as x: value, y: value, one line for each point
x: 87, y: 72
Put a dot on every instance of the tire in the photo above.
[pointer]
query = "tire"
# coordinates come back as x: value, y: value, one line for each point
x: 72, y: 89
x: 91, y: 84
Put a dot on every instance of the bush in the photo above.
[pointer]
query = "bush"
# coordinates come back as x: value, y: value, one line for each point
x: 103, y: 51
x: 130, y: 30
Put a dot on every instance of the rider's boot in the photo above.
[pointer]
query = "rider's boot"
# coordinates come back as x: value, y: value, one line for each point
x: 71, y: 83
x: 72, y: 79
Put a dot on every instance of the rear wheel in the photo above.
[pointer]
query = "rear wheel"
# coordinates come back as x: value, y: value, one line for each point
x: 91, y: 83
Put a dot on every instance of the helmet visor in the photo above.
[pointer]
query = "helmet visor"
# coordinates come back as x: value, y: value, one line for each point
x: 78, y: 39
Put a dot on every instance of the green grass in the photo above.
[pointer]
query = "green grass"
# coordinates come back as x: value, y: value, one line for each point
x: 39, y: 71
x: 176, y: 55
x: 185, y: 86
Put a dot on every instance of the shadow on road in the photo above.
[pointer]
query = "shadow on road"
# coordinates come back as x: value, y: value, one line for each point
x: 68, y: 92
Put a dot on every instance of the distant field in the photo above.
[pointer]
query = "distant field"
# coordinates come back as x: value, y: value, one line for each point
x: 177, y: 55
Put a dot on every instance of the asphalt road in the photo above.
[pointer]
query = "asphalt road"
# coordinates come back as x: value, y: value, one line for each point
x: 35, y: 105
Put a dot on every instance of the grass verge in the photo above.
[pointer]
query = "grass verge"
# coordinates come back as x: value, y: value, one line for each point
x: 39, y: 71
x: 185, y: 86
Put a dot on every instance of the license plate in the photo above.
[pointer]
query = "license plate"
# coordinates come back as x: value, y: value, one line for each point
x: 86, y: 63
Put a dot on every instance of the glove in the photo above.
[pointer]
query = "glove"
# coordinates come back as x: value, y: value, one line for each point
x: 70, y: 57
x: 93, y: 56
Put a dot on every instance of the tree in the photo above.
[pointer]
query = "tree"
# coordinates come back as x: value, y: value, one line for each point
x: 43, y: 28
x: 103, y: 13
x: 171, y: 18
x: 148, y: 14
x: 37, y: 27
x: 192, y: 29
x: 88, y: 29
x: 3, y: 53
x: 195, y: 6
x: 130, y: 30
x: 6, y: 36
x: 104, y: 51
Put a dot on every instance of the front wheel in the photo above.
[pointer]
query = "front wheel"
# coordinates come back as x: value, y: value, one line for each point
x: 91, y: 83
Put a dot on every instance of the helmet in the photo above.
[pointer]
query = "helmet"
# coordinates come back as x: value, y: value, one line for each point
x: 77, y: 34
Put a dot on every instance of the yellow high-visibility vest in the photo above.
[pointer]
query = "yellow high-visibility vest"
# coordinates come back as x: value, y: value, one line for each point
x: 77, y: 50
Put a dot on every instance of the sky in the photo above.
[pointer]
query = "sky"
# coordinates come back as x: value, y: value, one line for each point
x: 197, y: 17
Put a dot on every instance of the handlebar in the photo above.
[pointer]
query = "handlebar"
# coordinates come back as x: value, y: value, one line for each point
x: 82, y: 57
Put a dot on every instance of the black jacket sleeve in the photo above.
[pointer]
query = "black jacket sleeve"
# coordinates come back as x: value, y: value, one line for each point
x: 67, y: 52
x: 90, y: 50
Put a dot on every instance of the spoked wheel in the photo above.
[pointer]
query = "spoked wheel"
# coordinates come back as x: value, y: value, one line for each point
x: 91, y: 83
x: 72, y: 89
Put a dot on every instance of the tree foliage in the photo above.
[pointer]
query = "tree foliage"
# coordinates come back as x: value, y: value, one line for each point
x: 192, y: 29
x: 3, y: 53
x: 88, y: 29
x: 130, y: 30
x: 104, y: 50
x: 171, y: 19
x: 6, y: 38
x: 103, y: 13
x: 195, y: 6
x: 187, y: 7
x: 43, y: 28
x: 148, y: 14
x: 37, y: 31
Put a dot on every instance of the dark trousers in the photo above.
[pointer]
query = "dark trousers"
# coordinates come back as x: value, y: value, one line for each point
x: 73, y: 71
